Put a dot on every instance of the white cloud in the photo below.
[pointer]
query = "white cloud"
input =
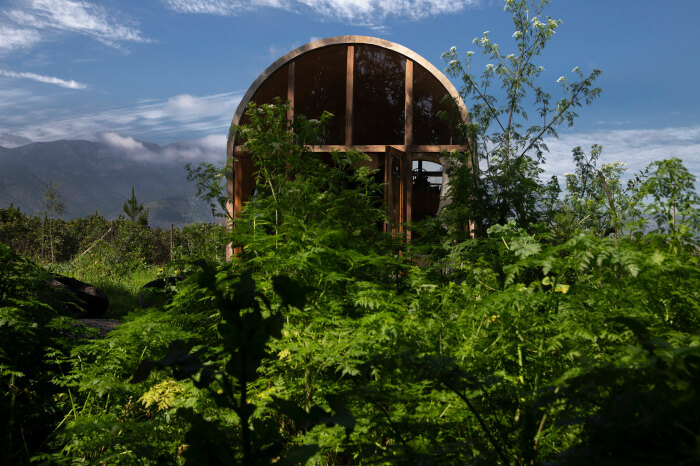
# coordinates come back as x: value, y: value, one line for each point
x: 157, y: 121
x: 43, y: 79
x: 120, y: 142
x: 36, y: 19
x: 12, y: 38
x: 360, y: 12
x: 221, y: 7
x: 637, y: 147
x: 185, y: 105
x: 210, y: 148
x: 9, y: 141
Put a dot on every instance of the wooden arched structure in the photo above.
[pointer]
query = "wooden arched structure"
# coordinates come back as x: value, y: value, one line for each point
x: 385, y: 100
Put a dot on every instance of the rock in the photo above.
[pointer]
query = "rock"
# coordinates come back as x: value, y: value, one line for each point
x: 91, y: 300
x: 155, y: 294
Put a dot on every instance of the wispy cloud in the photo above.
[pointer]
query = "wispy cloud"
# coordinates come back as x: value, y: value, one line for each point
x: 160, y: 121
x: 222, y: 7
x: 636, y: 147
x: 8, y: 140
x: 358, y: 12
x: 43, y: 79
x: 210, y: 148
x: 36, y: 20
x: 12, y: 38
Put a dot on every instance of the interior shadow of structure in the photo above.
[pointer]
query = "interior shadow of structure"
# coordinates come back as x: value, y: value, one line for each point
x: 387, y: 101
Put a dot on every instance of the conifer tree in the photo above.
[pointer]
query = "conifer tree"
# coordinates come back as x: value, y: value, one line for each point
x: 134, y: 209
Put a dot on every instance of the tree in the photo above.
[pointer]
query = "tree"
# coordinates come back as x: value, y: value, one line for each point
x: 135, y: 210
x: 53, y: 207
x: 674, y: 202
x: 596, y: 198
x: 497, y: 179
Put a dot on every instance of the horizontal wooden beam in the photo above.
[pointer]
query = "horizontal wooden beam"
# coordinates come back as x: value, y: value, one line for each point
x: 382, y: 148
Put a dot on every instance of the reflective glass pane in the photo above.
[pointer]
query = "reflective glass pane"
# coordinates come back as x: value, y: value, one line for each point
x: 320, y: 85
x: 274, y: 86
x: 427, y: 182
x: 428, y: 101
x: 378, y: 96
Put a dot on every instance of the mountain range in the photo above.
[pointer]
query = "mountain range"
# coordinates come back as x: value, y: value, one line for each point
x: 97, y: 176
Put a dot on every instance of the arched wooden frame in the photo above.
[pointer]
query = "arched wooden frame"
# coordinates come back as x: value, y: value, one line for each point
x: 402, y: 154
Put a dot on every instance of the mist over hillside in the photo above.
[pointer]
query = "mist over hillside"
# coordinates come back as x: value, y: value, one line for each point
x: 98, y: 176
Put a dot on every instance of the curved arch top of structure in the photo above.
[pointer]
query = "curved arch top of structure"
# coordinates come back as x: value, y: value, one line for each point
x: 345, y: 40
x: 388, y: 102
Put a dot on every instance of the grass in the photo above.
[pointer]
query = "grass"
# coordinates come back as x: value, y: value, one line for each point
x: 122, y: 286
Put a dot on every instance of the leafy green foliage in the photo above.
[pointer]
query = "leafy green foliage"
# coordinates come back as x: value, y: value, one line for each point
x: 573, y: 340
x: 123, y: 244
x: 247, y: 321
x: 32, y: 338
x: 497, y: 180
x: 596, y: 200
x: 674, y: 203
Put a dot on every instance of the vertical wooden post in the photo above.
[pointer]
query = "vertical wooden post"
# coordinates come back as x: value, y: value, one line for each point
x: 237, y: 185
x: 408, y: 175
x: 402, y: 193
x: 290, y: 91
x: 388, y: 192
x: 349, y: 89
x: 407, y: 159
x: 408, y: 110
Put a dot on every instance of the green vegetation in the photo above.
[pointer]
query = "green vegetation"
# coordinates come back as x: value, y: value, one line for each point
x: 567, y: 331
x: 135, y: 210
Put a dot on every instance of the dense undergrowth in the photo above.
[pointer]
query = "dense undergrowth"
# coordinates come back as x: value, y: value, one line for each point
x: 324, y: 340
x: 567, y: 334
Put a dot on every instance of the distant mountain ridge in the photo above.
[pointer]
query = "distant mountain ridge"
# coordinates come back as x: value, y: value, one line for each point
x: 96, y: 176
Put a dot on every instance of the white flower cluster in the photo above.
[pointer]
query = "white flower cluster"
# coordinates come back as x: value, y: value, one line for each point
x: 489, y: 67
x: 517, y: 34
x: 575, y: 70
x: 561, y: 79
x: 470, y: 53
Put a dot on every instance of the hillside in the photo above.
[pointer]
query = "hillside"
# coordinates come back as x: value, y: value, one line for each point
x: 95, y: 176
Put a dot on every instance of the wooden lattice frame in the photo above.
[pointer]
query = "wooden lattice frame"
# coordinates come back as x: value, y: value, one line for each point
x: 237, y: 186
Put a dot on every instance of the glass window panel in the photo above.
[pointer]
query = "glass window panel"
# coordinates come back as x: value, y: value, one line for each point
x: 320, y: 85
x: 274, y: 86
x: 427, y: 184
x: 428, y: 100
x: 378, y: 96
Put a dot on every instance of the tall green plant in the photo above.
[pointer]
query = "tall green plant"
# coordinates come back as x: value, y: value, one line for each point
x: 497, y: 180
x: 247, y: 322
x: 674, y: 205
x: 32, y: 337
x: 53, y: 207
x: 596, y: 199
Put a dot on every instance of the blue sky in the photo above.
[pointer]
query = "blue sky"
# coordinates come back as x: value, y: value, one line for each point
x: 171, y: 70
